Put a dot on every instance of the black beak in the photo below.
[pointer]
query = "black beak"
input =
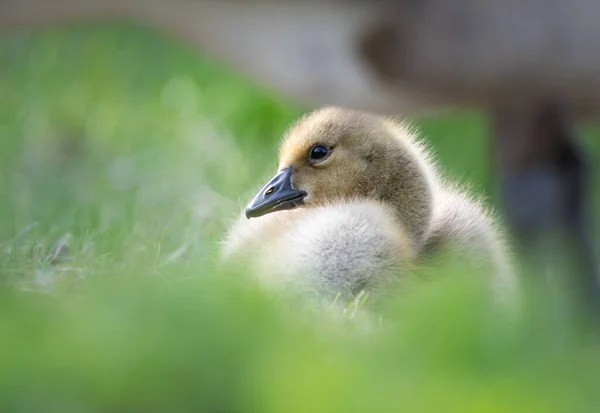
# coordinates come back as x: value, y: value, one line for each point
x: 277, y: 195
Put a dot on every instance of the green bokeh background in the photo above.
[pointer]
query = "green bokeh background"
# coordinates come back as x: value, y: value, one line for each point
x: 123, y: 156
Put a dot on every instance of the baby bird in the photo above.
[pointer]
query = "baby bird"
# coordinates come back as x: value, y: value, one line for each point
x: 356, y: 203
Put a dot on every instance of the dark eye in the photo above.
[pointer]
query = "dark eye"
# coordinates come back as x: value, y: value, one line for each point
x: 318, y: 153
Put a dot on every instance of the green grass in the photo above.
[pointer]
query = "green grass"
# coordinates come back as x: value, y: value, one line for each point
x: 123, y: 156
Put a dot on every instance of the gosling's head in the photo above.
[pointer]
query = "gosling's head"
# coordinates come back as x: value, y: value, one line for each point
x: 335, y: 154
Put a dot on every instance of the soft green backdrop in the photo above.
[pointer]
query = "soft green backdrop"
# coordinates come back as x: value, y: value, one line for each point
x: 123, y: 155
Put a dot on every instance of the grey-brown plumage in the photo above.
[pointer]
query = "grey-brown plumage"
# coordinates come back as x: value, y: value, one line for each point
x: 371, y: 209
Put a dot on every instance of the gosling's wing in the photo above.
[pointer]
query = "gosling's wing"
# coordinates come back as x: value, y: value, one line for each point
x: 463, y: 226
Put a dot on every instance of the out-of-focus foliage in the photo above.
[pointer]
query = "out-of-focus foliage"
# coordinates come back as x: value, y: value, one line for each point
x: 123, y: 155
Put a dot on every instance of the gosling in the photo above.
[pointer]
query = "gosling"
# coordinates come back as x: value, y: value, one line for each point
x: 356, y: 203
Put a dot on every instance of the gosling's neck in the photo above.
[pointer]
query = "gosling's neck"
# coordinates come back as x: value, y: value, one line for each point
x: 404, y: 182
